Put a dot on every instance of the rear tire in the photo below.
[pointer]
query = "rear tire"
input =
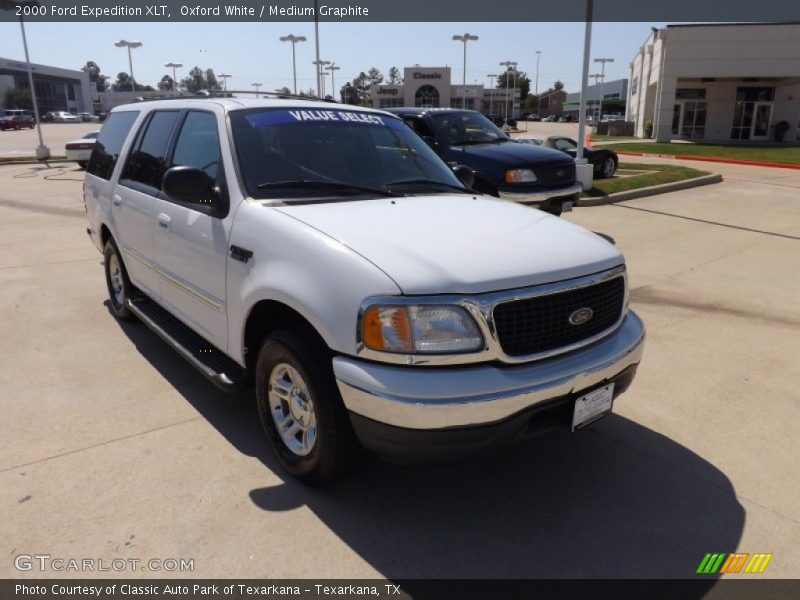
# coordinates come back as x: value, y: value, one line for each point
x: 607, y: 168
x: 117, y: 282
x: 301, y: 410
x: 83, y: 164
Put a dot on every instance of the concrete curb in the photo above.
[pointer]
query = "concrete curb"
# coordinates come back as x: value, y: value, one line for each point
x: 652, y: 190
x: 33, y: 161
x: 727, y: 161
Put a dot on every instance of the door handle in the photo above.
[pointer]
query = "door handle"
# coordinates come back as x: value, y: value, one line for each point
x: 163, y: 222
x: 116, y: 200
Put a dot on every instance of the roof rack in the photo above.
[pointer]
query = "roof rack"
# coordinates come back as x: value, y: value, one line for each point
x: 199, y: 95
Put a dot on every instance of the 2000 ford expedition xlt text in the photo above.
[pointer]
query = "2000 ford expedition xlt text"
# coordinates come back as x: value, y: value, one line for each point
x: 327, y: 254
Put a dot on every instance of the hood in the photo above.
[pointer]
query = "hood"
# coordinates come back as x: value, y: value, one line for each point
x: 460, y: 243
x: 513, y: 153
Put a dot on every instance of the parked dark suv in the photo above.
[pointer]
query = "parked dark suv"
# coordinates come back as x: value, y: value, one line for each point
x: 523, y: 173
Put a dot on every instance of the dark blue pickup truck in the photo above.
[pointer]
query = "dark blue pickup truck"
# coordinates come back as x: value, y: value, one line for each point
x: 524, y: 173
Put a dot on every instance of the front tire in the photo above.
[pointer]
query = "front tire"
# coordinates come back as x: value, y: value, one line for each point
x: 117, y: 282
x: 607, y: 168
x: 83, y: 164
x: 301, y: 410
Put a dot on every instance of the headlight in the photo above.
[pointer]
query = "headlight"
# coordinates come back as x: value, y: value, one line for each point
x: 521, y: 176
x: 420, y: 329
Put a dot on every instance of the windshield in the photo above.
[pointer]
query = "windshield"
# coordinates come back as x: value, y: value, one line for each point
x: 334, y: 154
x: 463, y: 128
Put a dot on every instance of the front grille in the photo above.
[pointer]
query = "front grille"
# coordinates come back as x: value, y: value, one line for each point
x: 562, y: 174
x: 541, y: 324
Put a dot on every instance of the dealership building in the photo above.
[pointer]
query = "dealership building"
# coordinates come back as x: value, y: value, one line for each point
x: 717, y: 82
x: 613, y: 93
x: 56, y: 89
x: 432, y: 87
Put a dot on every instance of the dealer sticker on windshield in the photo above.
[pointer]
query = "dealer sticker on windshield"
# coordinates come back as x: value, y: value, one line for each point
x: 592, y: 406
x: 346, y: 117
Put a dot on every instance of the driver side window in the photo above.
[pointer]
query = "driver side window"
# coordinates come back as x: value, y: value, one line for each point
x: 198, y: 143
x: 564, y: 144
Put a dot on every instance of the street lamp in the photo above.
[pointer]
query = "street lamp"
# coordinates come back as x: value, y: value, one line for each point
x: 256, y: 85
x: 294, y: 39
x: 510, y: 65
x: 536, y: 89
x: 603, y: 62
x: 320, y: 64
x: 42, y: 151
x: 467, y: 37
x: 224, y: 77
x: 492, y: 79
x: 174, y: 65
x: 596, y: 77
x: 332, y: 67
x: 129, y: 46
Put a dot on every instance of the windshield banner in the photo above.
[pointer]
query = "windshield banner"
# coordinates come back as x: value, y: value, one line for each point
x: 348, y: 117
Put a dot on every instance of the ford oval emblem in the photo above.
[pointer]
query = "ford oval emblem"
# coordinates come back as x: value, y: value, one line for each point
x: 581, y: 316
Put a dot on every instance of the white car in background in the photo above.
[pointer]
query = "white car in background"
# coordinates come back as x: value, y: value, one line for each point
x: 65, y: 117
x: 80, y: 150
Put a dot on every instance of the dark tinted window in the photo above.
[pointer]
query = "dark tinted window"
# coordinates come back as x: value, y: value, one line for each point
x: 463, y: 128
x: 147, y: 162
x: 198, y: 143
x: 109, y: 143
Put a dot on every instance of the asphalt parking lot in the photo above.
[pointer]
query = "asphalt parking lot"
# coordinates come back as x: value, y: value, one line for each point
x: 112, y: 446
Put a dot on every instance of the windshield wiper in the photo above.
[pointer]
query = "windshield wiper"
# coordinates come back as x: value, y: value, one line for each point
x: 324, y: 185
x: 429, y: 182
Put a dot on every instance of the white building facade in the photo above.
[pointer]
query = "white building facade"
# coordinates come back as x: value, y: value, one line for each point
x: 57, y: 89
x: 432, y: 87
x: 717, y: 82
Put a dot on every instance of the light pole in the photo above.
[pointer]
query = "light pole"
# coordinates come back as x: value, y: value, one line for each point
x: 129, y: 46
x: 256, y: 85
x: 316, y: 43
x: 320, y: 64
x: 467, y: 37
x: 597, y: 77
x: 174, y: 65
x: 538, y: 99
x: 42, y: 151
x: 492, y: 79
x: 224, y: 77
x: 603, y: 62
x: 510, y: 66
x: 332, y: 67
x: 294, y: 39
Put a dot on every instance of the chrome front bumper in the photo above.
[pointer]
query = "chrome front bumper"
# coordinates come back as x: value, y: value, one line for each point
x: 538, y: 197
x: 426, y: 398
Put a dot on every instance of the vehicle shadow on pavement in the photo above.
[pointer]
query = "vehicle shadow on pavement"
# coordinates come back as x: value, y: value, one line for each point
x: 613, y: 500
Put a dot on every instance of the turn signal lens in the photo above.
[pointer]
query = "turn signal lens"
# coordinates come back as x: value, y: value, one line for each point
x: 387, y: 328
x: 423, y: 329
x: 521, y: 176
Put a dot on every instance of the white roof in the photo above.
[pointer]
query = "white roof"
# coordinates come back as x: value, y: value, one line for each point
x: 239, y: 103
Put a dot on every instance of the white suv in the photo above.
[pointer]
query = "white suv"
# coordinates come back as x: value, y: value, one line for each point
x: 325, y: 253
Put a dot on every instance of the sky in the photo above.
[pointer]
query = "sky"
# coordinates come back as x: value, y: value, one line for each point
x: 252, y: 52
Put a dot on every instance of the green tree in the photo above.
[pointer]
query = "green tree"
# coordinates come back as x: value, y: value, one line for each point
x: 18, y: 98
x: 283, y: 91
x: 166, y: 84
x: 125, y: 84
x: 558, y: 85
x: 374, y: 76
x: 211, y: 81
x: 101, y: 81
x: 394, y: 76
x: 195, y: 81
x: 521, y: 79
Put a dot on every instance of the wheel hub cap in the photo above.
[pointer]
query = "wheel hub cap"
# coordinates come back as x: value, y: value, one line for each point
x: 292, y: 409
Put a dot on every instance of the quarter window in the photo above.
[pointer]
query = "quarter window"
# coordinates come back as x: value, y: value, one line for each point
x: 147, y: 162
x: 109, y: 143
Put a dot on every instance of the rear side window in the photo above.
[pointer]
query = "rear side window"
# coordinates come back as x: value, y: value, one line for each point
x: 147, y: 162
x: 198, y: 143
x: 109, y: 143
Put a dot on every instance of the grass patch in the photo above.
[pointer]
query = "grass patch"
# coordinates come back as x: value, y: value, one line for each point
x: 660, y: 174
x: 768, y: 152
x: 613, y: 138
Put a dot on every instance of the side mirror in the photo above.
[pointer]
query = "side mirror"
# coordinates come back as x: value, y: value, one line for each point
x: 190, y: 185
x: 465, y: 174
